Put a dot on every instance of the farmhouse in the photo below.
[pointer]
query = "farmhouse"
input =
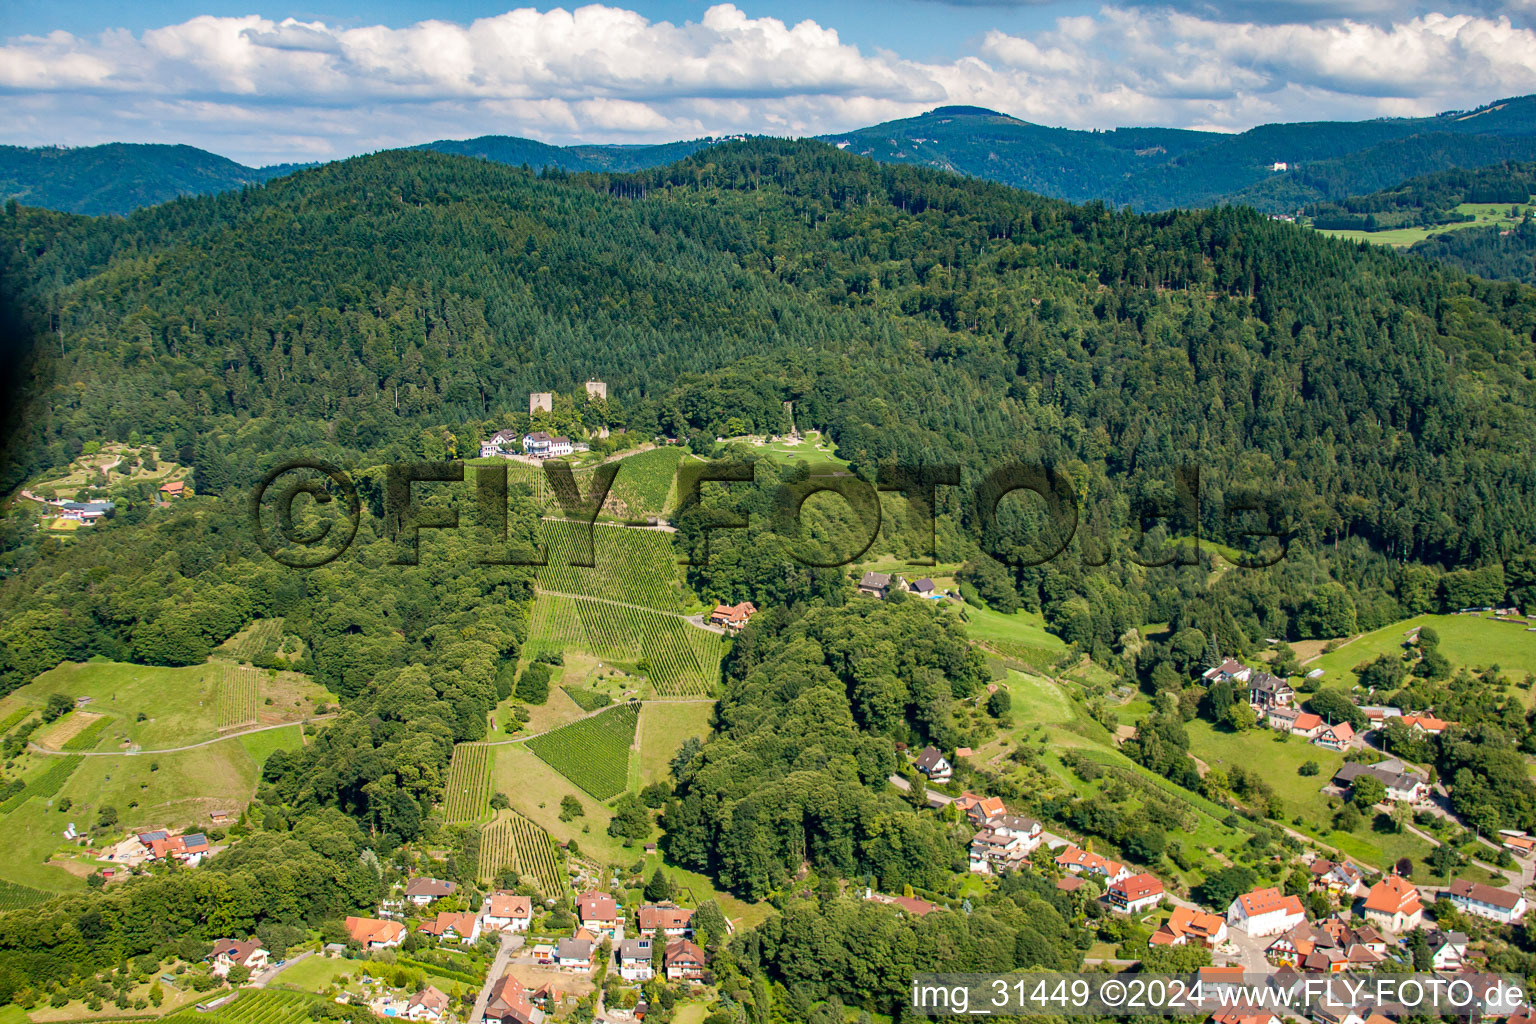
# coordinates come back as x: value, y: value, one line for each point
x: 464, y: 926
x: 1499, y: 905
x: 229, y: 953
x: 371, y: 933
x: 932, y: 764
x: 1081, y: 862
x: 1393, y: 905
x: 684, y: 961
x: 422, y: 891
x: 1186, y: 925
x: 1134, y: 894
x: 1265, y: 912
x: 505, y: 910
x: 732, y: 616
x: 635, y: 959
x: 160, y: 845
x: 1335, y: 737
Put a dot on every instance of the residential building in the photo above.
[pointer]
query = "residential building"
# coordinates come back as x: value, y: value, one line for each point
x: 500, y: 444
x: 1229, y: 671
x: 1335, y: 737
x: 1393, y: 905
x: 1499, y: 905
x: 1379, y: 714
x: 980, y: 808
x: 1187, y: 925
x: 1447, y: 950
x: 1004, y: 843
x: 462, y: 926
x: 685, y: 961
x: 1245, y: 1016
x: 1307, y: 725
x: 229, y: 953
x: 1265, y: 912
x: 598, y: 912
x: 932, y: 764
x: 878, y: 584
x: 574, y: 954
x: 422, y: 891
x: 1427, y: 725
x: 541, y: 445
x: 732, y: 616
x: 1341, y: 878
x: 86, y: 511
x: 673, y: 920
x: 506, y: 910
x: 509, y: 1002
x: 429, y: 1004
x: 634, y: 959
x: 1081, y: 862
x: 1268, y: 691
x: 189, y: 849
x: 925, y: 587
x: 1135, y: 894
x: 1327, y: 949
x: 1402, y: 785
x: 372, y: 933
x: 174, y: 488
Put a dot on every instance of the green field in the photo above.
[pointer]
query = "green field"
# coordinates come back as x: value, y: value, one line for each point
x: 1021, y: 636
x: 593, y: 752
x: 258, y: 640
x: 260, y: 745
x: 680, y: 659
x: 1470, y: 640
x: 1486, y: 214
x: 535, y: 790
x: 180, y: 705
x: 316, y: 973
x: 513, y: 841
x: 467, y: 793
x: 663, y: 728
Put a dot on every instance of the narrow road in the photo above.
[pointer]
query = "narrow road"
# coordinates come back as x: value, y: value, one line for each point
x: 34, y: 748
x: 510, y: 942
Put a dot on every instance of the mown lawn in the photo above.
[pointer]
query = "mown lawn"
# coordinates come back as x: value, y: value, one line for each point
x: 180, y: 705
x: 1466, y: 640
x: 663, y: 728
x: 535, y: 790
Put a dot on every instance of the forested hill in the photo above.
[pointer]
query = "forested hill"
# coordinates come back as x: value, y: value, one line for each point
x: 119, y: 177
x: 404, y: 304
x: 1163, y: 168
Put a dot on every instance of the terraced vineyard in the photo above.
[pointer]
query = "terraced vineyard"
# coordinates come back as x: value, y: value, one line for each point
x: 14, y: 895
x: 239, y: 691
x: 679, y: 658
x: 644, y: 484
x: 258, y: 640
x: 512, y: 841
x: 46, y: 784
x: 257, y: 1007
x: 630, y: 565
x: 14, y: 718
x: 467, y: 795
x: 593, y: 752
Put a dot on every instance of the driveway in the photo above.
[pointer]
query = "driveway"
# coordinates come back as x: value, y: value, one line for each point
x: 510, y: 942
x: 261, y: 980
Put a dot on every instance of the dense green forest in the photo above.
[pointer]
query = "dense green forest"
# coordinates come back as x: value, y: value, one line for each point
x: 1429, y: 199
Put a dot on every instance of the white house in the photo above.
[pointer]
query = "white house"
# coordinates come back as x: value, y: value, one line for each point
x: 573, y: 954
x: 229, y: 953
x: 1134, y: 894
x: 932, y: 764
x: 1265, y: 912
x: 1081, y: 862
x: 1499, y: 905
x: 541, y: 445
x: 635, y: 959
x: 498, y: 444
x: 1447, y: 950
x: 507, y: 911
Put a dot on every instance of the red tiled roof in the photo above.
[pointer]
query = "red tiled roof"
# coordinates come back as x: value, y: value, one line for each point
x: 1138, y: 887
x: 653, y: 916
x: 506, y: 904
x: 597, y: 906
x: 367, y: 930
x: 1393, y: 895
x: 1264, y: 901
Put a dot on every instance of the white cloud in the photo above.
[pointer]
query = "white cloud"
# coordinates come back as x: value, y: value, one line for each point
x: 262, y: 90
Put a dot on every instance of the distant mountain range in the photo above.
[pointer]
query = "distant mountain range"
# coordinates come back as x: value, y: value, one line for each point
x: 1276, y: 168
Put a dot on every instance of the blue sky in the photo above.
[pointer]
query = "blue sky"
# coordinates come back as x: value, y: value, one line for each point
x: 264, y: 82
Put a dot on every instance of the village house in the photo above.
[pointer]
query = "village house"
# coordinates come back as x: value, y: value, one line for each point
x: 540, y: 445
x: 925, y: 588
x: 422, y: 891
x: 635, y: 959
x: 174, y: 488
x: 1341, y: 878
x: 1426, y: 725
x: 371, y: 933
x: 1004, y: 843
x: 1499, y: 905
x: 1081, y: 862
x: 1335, y: 737
x: 506, y: 910
x: 673, y: 920
x: 462, y: 926
x: 1393, y: 905
x: 574, y: 954
x: 429, y: 1004
x: 932, y: 764
x: 229, y: 953
x: 1187, y: 925
x: 509, y: 1002
x: 1229, y: 671
x: 1447, y: 950
x: 1135, y: 894
x: 190, y: 849
x: 1265, y: 912
x: 684, y: 961
x: 878, y: 584
x: 1326, y: 949
x: 598, y: 912
x: 1248, y: 1016
x: 499, y: 444
x: 1402, y: 786
x: 979, y: 809
x: 86, y: 511
x: 1269, y: 691
x: 732, y: 616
